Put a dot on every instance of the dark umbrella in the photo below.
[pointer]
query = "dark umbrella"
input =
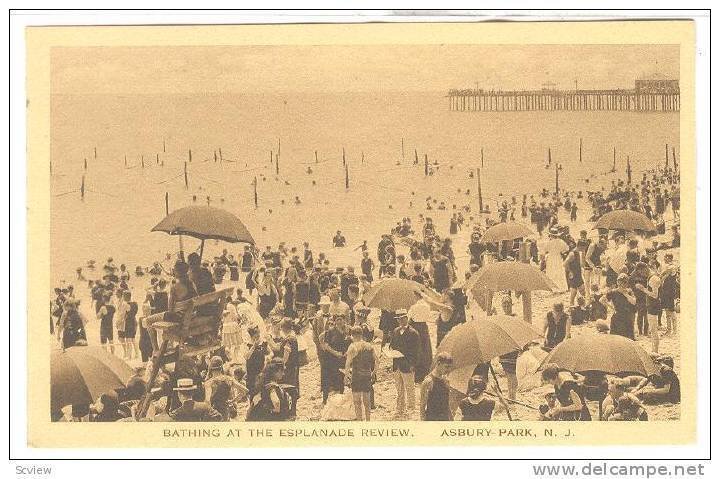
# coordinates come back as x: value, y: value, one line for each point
x: 607, y: 353
x: 626, y: 220
x: 506, y: 231
x: 81, y: 374
x: 205, y: 222
x: 392, y: 294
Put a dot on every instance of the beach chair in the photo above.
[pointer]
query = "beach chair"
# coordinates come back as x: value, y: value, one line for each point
x: 194, y: 334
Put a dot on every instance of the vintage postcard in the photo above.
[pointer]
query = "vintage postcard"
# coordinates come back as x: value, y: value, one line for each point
x: 352, y: 235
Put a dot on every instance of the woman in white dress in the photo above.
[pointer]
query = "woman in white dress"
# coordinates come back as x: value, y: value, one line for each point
x: 232, y: 338
x: 554, y: 268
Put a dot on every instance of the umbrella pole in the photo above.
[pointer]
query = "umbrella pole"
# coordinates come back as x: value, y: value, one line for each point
x: 500, y: 396
x: 182, y: 254
x: 202, y: 246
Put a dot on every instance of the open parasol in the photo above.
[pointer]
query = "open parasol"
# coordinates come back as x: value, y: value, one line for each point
x: 205, y: 222
x: 392, y: 294
x: 607, y: 353
x: 507, y: 231
x: 626, y: 220
x: 81, y: 374
x: 480, y: 340
x: 509, y: 275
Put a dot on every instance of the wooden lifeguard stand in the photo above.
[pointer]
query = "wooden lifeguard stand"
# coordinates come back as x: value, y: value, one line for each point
x: 195, y: 334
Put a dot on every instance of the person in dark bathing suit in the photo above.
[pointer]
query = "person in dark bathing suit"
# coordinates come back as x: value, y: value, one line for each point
x: 476, y: 406
x: 435, y: 391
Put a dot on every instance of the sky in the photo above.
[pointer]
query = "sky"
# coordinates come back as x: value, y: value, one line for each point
x: 355, y: 68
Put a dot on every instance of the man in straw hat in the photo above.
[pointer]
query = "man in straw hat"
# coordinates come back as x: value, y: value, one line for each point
x: 190, y: 410
x: 405, y: 341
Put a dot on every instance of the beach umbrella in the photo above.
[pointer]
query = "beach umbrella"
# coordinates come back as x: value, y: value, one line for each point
x: 205, y: 222
x: 626, y: 220
x: 507, y: 231
x: 509, y: 275
x: 607, y: 353
x: 81, y: 374
x: 392, y: 294
x: 480, y: 340
x: 556, y: 246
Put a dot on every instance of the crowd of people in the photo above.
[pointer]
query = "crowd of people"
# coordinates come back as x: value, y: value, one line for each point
x: 290, y: 304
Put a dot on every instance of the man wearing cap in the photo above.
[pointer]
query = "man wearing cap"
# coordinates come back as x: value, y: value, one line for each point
x: 405, y: 340
x: 367, y: 266
x: 191, y: 410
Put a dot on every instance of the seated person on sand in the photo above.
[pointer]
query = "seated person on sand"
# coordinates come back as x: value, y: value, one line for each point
x: 662, y: 388
x: 620, y: 405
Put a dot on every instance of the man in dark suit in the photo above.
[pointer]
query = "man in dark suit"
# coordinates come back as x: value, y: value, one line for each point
x: 406, y: 341
x: 190, y: 410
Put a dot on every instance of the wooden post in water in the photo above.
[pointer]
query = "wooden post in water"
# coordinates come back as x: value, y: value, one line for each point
x: 675, y: 165
x: 167, y: 204
x: 82, y: 189
x: 362, y: 157
x: 580, y: 150
x: 85, y: 164
x: 190, y: 155
x: 255, y: 191
x: 220, y: 153
x: 549, y: 157
x: 480, y: 201
x: 557, y: 179
x: 613, y: 168
x: 316, y: 160
x: 215, y: 156
x: 164, y: 145
x: 278, y: 151
x: 402, y: 147
x: 667, y: 157
x: 427, y: 169
x: 125, y: 161
x: 186, y: 177
x: 347, y: 178
x: 157, y: 158
x: 277, y: 164
x: 95, y: 153
x: 482, y: 158
x: 344, y: 163
x: 629, y: 171
x: 142, y: 161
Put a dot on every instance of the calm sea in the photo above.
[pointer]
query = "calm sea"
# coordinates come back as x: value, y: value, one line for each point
x: 123, y: 203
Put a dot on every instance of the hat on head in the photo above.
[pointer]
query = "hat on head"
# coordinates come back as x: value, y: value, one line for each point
x: 185, y: 384
x: 324, y: 301
x: 216, y: 362
x: 401, y: 313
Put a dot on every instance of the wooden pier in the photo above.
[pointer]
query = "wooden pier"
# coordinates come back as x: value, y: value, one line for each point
x: 647, y: 96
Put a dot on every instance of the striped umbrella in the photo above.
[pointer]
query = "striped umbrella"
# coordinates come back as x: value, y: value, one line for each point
x: 607, y: 353
x: 81, y: 374
x: 480, y: 340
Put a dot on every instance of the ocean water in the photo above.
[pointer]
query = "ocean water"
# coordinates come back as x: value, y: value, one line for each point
x: 123, y: 203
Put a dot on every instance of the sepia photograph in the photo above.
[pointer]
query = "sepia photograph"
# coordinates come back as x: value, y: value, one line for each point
x: 307, y: 234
